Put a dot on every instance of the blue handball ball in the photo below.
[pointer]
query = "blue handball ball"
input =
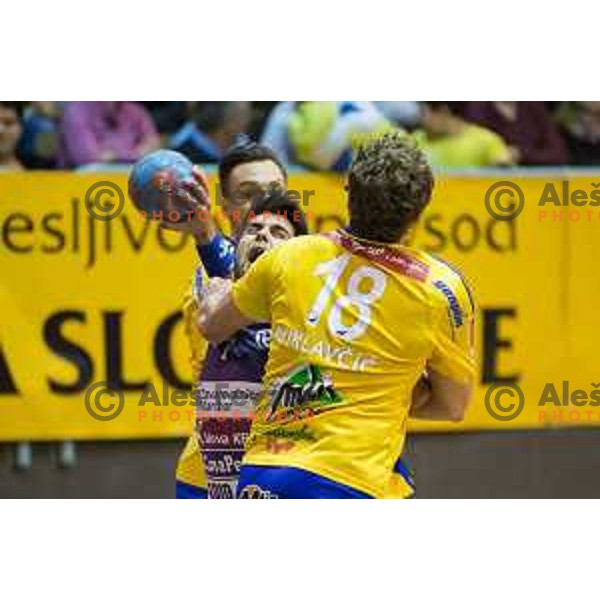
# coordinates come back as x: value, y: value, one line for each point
x: 150, y: 172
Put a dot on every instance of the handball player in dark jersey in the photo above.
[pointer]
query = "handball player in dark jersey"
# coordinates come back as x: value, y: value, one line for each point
x: 229, y: 378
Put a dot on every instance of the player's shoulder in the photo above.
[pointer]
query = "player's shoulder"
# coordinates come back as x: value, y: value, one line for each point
x: 295, y: 251
x: 310, y: 240
x: 303, y: 244
x: 448, y: 285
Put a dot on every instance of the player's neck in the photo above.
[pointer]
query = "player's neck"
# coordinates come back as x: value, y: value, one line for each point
x: 400, y: 242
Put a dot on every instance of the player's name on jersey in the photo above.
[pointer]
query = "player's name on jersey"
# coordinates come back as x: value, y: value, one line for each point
x: 341, y: 355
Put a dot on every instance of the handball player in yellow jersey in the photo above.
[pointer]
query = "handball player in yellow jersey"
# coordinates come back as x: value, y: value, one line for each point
x: 365, y: 331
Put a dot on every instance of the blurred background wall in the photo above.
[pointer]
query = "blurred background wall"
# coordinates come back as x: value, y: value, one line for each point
x: 526, y: 464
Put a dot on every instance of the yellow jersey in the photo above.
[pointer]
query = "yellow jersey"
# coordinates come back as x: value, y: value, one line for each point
x: 354, y: 326
x: 190, y: 468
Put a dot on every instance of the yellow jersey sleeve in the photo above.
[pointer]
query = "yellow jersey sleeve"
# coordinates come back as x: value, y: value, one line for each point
x: 190, y: 468
x: 198, y: 344
x: 252, y: 293
x: 453, y: 339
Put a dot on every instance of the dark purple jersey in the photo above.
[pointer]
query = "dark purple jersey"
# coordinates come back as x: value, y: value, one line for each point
x: 226, y: 396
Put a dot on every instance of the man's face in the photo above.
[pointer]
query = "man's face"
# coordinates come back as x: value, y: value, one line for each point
x: 10, y: 130
x: 261, y: 233
x: 248, y: 181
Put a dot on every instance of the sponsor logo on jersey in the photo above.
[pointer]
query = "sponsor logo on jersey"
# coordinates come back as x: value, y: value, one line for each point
x: 453, y: 305
x: 382, y: 254
x: 216, y: 396
x: 253, y: 492
x: 222, y: 490
x: 306, y: 384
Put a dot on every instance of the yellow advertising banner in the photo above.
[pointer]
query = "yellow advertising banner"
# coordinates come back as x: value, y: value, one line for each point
x: 90, y: 319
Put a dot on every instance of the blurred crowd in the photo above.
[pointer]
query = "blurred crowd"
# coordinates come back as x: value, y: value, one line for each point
x: 310, y: 135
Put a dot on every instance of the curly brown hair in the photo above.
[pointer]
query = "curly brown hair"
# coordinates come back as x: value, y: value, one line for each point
x: 389, y: 184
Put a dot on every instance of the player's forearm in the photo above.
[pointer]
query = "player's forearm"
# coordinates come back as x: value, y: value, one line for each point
x: 446, y: 400
x: 424, y: 405
x: 433, y: 410
x: 210, y: 300
x: 218, y: 317
x: 421, y: 395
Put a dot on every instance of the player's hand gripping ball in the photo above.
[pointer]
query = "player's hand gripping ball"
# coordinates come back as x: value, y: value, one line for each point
x: 165, y: 186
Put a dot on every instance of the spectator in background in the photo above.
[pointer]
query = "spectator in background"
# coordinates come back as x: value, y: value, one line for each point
x: 106, y: 132
x: 533, y: 138
x: 168, y: 117
x: 580, y: 122
x: 10, y: 132
x: 451, y: 141
x: 404, y: 114
x: 275, y: 132
x: 39, y: 144
x: 322, y: 135
x: 212, y: 128
x: 260, y: 113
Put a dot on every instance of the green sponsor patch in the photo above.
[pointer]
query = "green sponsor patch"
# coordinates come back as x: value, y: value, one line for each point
x: 305, y: 385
